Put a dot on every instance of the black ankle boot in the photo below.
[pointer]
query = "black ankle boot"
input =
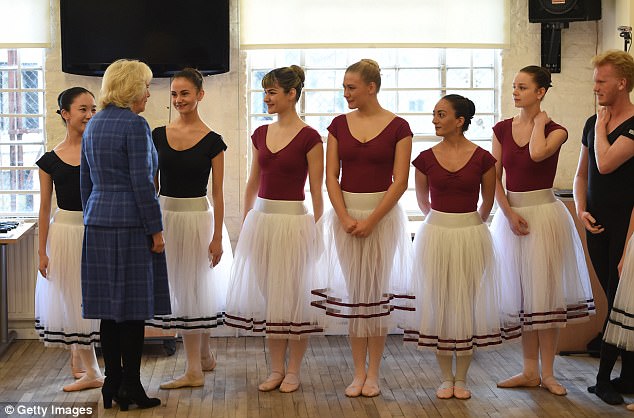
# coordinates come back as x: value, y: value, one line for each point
x: 110, y: 390
x: 135, y: 394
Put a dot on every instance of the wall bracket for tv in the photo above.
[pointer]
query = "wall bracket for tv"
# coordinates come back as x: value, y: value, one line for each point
x: 551, y: 45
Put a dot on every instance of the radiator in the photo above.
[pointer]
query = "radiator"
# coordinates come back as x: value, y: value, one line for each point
x: 22, y: 263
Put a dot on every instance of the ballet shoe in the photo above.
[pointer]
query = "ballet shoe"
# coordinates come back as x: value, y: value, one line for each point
x: 519, y: 381
x: 355, y: 388
x: 290, y: 383
x: 84, y: 383
x: 445, y: 391
x: 370, y: 389
x: 208, y: 364
x: 630, y: 407
x: 553, y: 386
x: 272, y: 382
x: 460, y: 391
x: 184, y: 381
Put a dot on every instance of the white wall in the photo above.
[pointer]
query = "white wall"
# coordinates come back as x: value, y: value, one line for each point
x: 569, y: 102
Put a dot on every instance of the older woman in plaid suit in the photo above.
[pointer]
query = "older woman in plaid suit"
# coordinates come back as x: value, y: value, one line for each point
x: 124, y: 275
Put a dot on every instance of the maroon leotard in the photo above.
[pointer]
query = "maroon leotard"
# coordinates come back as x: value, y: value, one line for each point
x: 454, y: 191
x: 283, y: 174
x: 367, y: 167
x: 522, y: 173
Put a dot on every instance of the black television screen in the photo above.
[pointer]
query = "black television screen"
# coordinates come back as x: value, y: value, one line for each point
x: 166, y: 35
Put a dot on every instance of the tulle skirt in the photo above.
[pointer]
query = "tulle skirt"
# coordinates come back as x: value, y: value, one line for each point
x: 620, y: 328
x: 456, y: 283
x: 197, y: 291
x: 273, y: 272
x: 544, y: 273
x: 363, y: 282
x: 58, y: 304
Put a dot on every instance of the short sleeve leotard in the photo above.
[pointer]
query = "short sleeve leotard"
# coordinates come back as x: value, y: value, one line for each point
x: 185, y: 173
x: 611, y: 194
x: 283, y: 173
x: 454, y: 191
x: 367, y: 167
x: 522, y: 173
x: 65, y: 180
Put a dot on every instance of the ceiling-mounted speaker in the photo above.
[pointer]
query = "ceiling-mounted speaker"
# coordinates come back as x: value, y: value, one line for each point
x: 544, y: 11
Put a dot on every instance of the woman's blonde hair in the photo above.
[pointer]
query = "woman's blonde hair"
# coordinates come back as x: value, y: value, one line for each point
x: 622, y: 62
x: 369, y: 71
x: 124, y: 82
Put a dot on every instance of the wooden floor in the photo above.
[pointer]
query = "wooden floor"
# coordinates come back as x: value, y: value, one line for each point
x: 29, y: 372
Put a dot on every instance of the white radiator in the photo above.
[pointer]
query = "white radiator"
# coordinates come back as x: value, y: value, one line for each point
x: 22, y: 263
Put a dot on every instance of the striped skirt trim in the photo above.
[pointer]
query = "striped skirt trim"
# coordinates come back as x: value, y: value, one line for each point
x: 64, y: 339
x: 272, y: 329
x: 558, y: 318
x: 450, y: 346
x: 189, y: 324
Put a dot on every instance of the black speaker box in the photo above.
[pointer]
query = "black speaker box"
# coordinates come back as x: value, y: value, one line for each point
x: 541, y: 11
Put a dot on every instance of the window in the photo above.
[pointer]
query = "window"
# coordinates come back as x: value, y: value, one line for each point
x: 412, y: 81
x: 22, y: 134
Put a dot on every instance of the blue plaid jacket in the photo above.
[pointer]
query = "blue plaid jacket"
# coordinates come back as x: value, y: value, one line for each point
x: 118, y: 164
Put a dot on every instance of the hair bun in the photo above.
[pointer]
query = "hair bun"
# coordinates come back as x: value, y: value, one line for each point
x: 299, y: 71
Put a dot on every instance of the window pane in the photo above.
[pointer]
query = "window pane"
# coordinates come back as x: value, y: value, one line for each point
x: 420, y: 124
x: 323, y: 102
x: 420, y: 146
x: 8, y: 102
x: 323, y: 79
x: 387, y: 99
x: 483, y: 58
x: 388, y: 78
x: 261, y: 59
x: 32, y: 79
x: 8, y: 79
x: 257, y: 102
x: 256, y: 79
x: 320, y: 123
x: 484, y: 78
x: 324, y: 58
x: 417, y: 100
x: 26, y: 129
x: 458, y: 57
x: 21, y: 203
x: 257, y: 121
x: 20, y: 155
x: 415, y: 57
x: 459, y: 78
x: 481, y: 127
x: 31, y: 57
x: 19, y: 180
x: 419, y: 78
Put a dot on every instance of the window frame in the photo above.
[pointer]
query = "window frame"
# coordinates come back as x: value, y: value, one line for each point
x: 17, y: 169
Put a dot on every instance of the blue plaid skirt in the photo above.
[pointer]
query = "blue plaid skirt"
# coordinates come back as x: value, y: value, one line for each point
x: 121, y: 279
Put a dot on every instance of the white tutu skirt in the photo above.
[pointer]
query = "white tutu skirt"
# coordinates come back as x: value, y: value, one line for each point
x: 544, y: 273
x: 273, y: 272
x: 197, y: 291
x: 363, y: 282
x: 620, y: 327
x: 455, y: 280
x: 58, y: 305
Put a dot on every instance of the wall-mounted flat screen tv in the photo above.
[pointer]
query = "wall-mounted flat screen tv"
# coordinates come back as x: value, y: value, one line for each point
x: 166, y: 35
